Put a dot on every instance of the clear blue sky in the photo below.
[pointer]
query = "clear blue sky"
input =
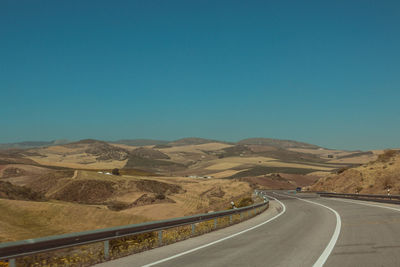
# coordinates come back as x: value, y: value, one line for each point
x: 324, y: 72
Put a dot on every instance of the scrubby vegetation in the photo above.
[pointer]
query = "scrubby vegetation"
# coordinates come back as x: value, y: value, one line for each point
x: 376, y: 177
x: 10, y: 191
x: 115, y: 171
x: 12, y: 172
x: 244, y: 202
x: 149, y: 153
x: 157, y: 187
x: 104, y: 151
x: 86, y: 191
x: 387, y: 155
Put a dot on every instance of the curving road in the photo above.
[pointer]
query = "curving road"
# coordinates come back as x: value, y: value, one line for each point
x: 297, y: 230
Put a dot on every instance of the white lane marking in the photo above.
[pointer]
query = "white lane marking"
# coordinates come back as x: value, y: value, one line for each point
x: 328, y: 250
x: 219, y: 240
x: 365, y: 204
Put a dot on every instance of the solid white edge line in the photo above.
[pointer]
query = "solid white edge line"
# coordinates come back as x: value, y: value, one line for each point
x: 328, y: 250
x: 363, y: 203
x: 219, y: 240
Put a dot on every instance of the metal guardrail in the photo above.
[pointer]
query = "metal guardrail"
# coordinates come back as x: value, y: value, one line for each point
x: 12, y: 250
x: 395, y: 199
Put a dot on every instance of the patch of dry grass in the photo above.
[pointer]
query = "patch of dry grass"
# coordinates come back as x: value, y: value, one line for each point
x: 28, y: 219
x: 224, y: 174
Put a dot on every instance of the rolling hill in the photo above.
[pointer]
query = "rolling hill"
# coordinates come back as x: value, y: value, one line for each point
x: 191, y: 156
x: 375, y: 177
x: 140, y: 142
x: 277, y: 143
x: 52, y: 182
x: 32, y: 144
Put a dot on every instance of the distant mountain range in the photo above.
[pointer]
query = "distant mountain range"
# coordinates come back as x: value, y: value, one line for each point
x: 33, y: 144
x: 277, y: 143
x: 140, y: 142
x: 193, y: 141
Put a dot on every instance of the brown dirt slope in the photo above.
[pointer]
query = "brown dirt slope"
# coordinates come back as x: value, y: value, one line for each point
x: 375, y: 177
x: 86, y: 191
x: 39, y: 179
x: 15, y: 156
x: 93, y: 188
x: 10, y: 191
x: 12, y: 172
x: 157, y: 187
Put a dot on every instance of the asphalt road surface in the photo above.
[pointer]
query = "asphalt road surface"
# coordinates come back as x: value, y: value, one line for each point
x: 297, y: 230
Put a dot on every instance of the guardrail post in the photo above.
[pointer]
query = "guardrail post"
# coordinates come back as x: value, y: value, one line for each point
x: 11, y: 263
x: 160, y: 237
x: 241, y: 215
x: 215, y: 223
x: 193, y: 228
x: 230, y: 219
x: 106, y: 249
x: 248, y: 214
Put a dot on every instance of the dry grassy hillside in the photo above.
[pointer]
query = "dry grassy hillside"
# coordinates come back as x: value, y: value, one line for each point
x: 375, y: 177
x: 340, y: 156
x: 90, y: 200
x: 85, y: 154
x: 64, y: 188
x: 29, y: 219
x: 194, y: 157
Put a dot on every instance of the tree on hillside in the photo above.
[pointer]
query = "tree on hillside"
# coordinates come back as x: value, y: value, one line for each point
x: 115, y: 171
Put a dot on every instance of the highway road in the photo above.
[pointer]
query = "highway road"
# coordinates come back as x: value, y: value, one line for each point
x: 297, y: 230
